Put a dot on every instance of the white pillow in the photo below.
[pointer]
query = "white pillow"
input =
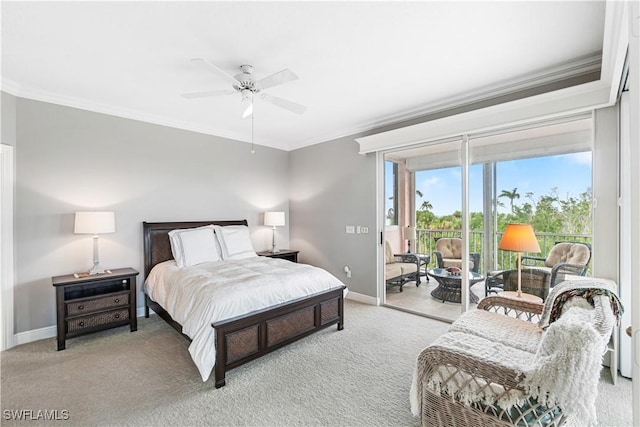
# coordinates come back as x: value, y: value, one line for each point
x: 235, y: 242
x: 191, y: 246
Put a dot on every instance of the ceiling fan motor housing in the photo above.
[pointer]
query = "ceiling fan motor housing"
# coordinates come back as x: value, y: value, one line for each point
x: 246, y: 80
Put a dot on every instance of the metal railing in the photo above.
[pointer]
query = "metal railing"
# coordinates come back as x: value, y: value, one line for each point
x: 426, y: 244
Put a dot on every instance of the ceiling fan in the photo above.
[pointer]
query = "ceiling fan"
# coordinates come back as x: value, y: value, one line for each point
x: 248, y: 87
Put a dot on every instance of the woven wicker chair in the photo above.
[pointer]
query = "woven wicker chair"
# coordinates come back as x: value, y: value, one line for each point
x: 539, y: 275
x: 400, y: 268
x: 496, y: 344
x: 448, y: 253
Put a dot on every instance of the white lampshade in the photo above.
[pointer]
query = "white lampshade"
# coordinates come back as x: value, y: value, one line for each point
x: 410, y: 233
x: 275, y: 219
x: 95, y: 223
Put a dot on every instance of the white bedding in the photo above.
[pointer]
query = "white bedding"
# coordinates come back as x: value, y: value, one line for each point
x: 200, y: 295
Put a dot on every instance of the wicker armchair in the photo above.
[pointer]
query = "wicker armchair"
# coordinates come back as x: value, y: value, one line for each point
x: 400, y: 268
x: 539, y: 275
x: 448, y: 253
x: 483, y: 372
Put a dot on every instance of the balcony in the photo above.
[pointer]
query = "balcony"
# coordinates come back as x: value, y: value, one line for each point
x: 426, y: 243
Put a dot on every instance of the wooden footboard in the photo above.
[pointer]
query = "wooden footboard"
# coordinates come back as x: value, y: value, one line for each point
x: 242, y: 339
x: 245, y: 338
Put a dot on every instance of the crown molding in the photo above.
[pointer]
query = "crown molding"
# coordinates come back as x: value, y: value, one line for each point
x: 579, y: 67
x: 20, y: 91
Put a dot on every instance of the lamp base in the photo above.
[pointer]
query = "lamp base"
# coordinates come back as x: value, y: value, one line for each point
x: 97, y: 269
x: 274, y: 250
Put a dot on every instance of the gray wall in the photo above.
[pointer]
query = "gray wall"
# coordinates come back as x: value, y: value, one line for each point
x: 69, y: 159
x: 8, y: 128
x: 333, y: 186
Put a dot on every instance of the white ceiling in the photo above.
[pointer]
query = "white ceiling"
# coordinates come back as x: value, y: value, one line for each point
x: 360, y: 64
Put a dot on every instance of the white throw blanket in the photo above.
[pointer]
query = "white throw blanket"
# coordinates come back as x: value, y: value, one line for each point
x: 566, y: 369
x: 211, y: 292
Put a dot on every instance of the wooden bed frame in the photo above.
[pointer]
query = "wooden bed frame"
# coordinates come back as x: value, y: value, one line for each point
x: 244, y: 338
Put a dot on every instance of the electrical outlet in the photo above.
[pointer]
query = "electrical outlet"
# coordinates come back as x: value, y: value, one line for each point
x: 350, y: 229
x: 364, y: 230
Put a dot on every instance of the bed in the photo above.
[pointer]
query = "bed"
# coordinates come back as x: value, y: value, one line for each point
x: 251, y: 335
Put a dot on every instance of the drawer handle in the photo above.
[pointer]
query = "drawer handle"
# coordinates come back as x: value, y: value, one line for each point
x: 81, y: 323
x: 117, y: 300
x: 117, y: 316
x: 81, y: 307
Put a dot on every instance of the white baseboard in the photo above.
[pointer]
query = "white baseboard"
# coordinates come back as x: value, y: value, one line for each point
x: 50, y: 332
x: 365, y: 299
x: 34, y: 335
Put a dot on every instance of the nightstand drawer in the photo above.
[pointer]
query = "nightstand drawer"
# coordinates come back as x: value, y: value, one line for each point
x: 97, y: 304
x: 96, y: 320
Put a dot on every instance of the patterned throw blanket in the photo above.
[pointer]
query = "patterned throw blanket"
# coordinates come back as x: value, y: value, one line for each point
x: 586, y: 289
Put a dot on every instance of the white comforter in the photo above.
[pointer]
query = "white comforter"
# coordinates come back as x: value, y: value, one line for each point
x: 210, y: 292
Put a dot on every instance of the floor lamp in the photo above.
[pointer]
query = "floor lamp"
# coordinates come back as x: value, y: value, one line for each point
x: 519, y: 238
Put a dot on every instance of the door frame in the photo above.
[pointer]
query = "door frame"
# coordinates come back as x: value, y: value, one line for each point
x: 7, y: 180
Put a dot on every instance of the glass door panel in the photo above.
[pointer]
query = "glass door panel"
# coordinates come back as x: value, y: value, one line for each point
x: 431, y: 195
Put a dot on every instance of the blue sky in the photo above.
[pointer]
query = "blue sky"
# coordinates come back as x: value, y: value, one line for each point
x: 569, y: 173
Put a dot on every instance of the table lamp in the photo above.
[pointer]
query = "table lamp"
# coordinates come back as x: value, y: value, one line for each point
x: 409, y: 235
x: 95, y: 223
x: 519, y: 238
x: 274, y: 219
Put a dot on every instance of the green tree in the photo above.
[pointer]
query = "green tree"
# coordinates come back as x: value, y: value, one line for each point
x: 511, y: 195
x: 426, y: 206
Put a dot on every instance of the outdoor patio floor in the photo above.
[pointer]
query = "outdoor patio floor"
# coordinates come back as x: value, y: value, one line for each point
x: 419, y: 299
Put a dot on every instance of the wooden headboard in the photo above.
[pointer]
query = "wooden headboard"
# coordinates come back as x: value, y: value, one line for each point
x: 157, y: 248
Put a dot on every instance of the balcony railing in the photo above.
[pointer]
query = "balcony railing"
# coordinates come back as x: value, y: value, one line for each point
x: 426, y: 244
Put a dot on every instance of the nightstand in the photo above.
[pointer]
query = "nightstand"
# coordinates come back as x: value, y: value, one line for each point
x: 93, y: 303
x: 287, y: 254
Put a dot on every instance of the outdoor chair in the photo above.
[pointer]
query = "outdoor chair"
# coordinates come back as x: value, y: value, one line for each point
x: 449, y: 254
x: 538, y: 274
x: 400, y: 268
x: 496, y: 367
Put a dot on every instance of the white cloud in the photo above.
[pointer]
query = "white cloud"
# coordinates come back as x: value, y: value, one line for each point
x: 428, y: 183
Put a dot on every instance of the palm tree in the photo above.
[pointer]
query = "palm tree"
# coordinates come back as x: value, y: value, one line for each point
x: 426, y: 206
x: 511, y: 195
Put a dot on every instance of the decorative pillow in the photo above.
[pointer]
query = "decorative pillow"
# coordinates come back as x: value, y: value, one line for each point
x: 191, y: 246
x: 235, y: 242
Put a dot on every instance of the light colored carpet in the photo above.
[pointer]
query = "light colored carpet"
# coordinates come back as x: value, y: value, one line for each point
x: 356, y: 377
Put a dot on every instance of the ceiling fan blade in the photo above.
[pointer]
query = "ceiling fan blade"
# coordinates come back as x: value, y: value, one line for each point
x: 284, y: 103
x: 208, y: 93
x: 214, y: 68
x: 276, y: 79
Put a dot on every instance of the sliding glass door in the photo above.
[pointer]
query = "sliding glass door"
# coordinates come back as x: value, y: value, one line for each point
x: 458, y: 195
